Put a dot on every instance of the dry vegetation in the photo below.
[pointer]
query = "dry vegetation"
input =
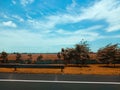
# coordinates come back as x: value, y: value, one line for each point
x: 34, y: 56
x: 92, y: 69
x: 45, y: 56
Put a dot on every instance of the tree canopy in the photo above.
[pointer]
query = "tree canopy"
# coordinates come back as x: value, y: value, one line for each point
x: 109, y: 54
x: 79, y: 53
x: 4, y: 57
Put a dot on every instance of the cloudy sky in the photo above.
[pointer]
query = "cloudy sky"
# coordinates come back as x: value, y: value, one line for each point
x: 49, y: 25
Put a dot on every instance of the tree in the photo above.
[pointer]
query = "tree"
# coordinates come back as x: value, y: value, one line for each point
x: 29, y: 58
x: 59, y: 55
x: 39, y: 58
x: 80, y: 52
x: 117, y: 56
x: 4, y: 57
x: 64, y: 53
x: 18, y: 57
x: 108, y: 54
x: 65, y: 56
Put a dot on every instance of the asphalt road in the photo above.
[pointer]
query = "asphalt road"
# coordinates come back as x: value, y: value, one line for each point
x: 36, y: 85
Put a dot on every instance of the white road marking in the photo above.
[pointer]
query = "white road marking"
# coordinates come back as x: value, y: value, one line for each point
x: 47, y: 81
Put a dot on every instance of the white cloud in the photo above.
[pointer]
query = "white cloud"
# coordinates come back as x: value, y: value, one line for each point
x: 110, y: 37
x: 3, y: 15
x: 51, y: 21
x: 100, y: 10
x: 71, y: 6
x: 87, y: 31
x: 9, y: 24
x: 63, y: 18
x: 113, y: 28
x: 74, y: 36
x: 14, y: 2
x: 49, y: 35
x: 26, y: 2
x: 104, y: 9
x: 18, y: 18
x: 23, y: 38
x: 11, y: 17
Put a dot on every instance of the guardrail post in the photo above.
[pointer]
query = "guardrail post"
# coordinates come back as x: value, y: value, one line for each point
x: 15, y: 69
x: 61, y: 69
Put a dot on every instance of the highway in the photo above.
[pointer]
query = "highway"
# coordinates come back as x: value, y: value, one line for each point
x: 15, y: 81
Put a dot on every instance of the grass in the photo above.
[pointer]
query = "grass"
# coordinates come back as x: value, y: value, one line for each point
x: 96, y: 69
x: 93, y: 69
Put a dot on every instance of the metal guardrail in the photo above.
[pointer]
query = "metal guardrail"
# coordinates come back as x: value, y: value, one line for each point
x: 15, y: 66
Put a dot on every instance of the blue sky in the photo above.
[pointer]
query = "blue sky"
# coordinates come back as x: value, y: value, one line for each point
x: 49, y: 25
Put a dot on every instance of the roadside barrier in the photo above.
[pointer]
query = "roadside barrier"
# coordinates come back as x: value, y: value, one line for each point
x: 17, y: 65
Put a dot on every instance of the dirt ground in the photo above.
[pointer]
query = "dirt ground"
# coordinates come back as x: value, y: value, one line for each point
x: 91, y: 69
x: 50, y: 56
x: 34, y: 56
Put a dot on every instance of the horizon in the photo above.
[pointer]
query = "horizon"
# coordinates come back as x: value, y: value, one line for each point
x: 46, y: 26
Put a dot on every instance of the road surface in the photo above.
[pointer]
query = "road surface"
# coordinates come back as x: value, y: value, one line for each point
x: 15, y: 81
